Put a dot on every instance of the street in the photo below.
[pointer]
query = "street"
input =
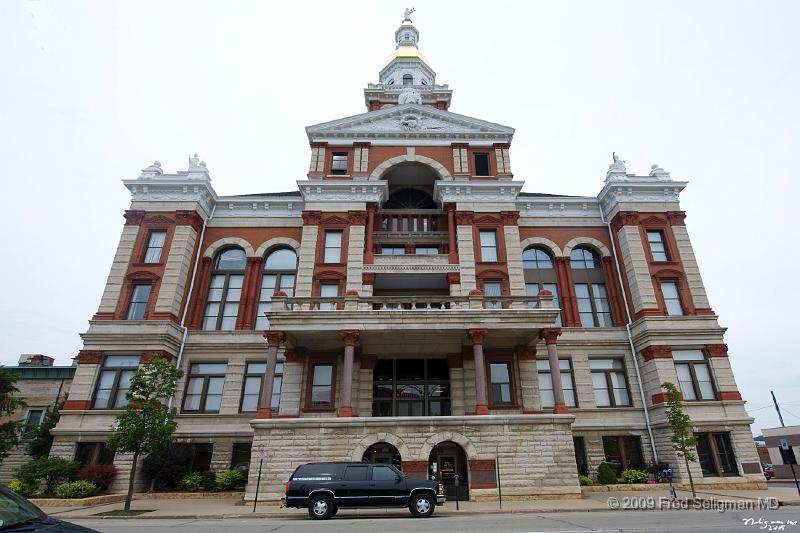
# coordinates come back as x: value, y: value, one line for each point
x: 515, y: 522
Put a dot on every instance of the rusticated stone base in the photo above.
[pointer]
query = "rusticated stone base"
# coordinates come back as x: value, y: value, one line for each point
x: 535, y: 452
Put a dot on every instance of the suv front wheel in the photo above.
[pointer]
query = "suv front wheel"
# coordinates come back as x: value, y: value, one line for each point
x: 422, y: 505
x: 320, y: 507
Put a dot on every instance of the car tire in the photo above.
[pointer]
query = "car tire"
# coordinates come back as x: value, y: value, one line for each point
x: 335, y: 510
x: 320, y: 507
x: 422, y: 505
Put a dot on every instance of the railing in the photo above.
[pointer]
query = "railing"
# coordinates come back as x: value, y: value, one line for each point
x: 410, y: 221
x: 408, y: 303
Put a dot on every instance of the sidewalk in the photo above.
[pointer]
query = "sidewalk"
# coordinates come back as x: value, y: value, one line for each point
x: 228, y: 508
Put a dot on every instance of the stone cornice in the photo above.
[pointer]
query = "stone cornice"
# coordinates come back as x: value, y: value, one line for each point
x: 179, y: 188
x: 477, y: 191
x: 639, y: 189
x: 558, y: 206
x: 259, y: 206
x: 343, y: 190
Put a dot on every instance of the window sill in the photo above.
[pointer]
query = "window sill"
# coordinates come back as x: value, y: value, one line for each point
x: 505, y: 406
x: 664, y: 263
x: 338, y: 176
x: 319, y: 409
x: 139, y: 265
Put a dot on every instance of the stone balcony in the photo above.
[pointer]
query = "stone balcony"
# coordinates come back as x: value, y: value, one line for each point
x: 411, y: 264
x: 412, y: 325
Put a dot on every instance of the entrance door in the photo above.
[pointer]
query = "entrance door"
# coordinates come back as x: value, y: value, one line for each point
x: 451, y: 461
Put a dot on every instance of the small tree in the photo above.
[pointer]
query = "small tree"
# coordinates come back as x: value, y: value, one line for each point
x: 147, y: 425
x: 9, y: 431
x: 41, y: 439
x: 683, y: 440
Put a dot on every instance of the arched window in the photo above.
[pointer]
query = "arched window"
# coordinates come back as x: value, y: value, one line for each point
x: 590, y: 288
x: 408, y: 79
x: 540, y: 275
x: 225, y: 290
x: 280, y: 270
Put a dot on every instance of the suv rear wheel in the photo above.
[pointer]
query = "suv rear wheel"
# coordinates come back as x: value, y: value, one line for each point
x: 422, y: 505
x: 320, y: 507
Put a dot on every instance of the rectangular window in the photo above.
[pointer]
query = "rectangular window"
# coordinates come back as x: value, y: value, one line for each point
x: 251, y: 392
x: 271, y: 283
x: 204, y: 387
x: 328, y: 290
x: 339, y: 163
x: 546, y: 383
x: 333, y: 247
x: 493, y: 289
x: 411, y: 387
x: 224, y: 294
x: 657, y: 248
x: 114, y: 381
x: 672, y: 299
x: 481, y: 164
x: 93, y: 453
x: 488, y: 240
x: 623, y: 453
x: 715, y: 454
x: 426, y: 250
x: 32, y: 420
x: 155, y: 244
x: 240, y: 458
x: 500, y: 379
x: 609, y: 383
x: 593, y: 306
x: 138, y: 304
x: 532, y: 289
x: 321, y: 393
x: 393, y: 250
x: 694, y: 375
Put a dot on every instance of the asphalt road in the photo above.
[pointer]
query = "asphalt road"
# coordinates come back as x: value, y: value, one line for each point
x: 660, y: 521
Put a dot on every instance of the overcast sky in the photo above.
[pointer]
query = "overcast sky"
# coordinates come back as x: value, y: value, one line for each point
x: 92, y: 92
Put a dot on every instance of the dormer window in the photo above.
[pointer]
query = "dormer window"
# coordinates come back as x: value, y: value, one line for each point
x: 408, y: 79
x: 339, y: 163
x: 481, y: 164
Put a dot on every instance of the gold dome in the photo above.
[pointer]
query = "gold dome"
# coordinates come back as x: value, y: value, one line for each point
x: 406, y: 51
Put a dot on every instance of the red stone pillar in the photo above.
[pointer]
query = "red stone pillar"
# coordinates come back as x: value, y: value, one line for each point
x: 369, y: 252
x: 451, y: 234
x: 550, y: 336
x: 274, y: 340
x: 613, y: 292
x: 245, y: 320
x: 477, y: 336
x: 350, y: 338
x: 567, y: 292
x: 200, y: 293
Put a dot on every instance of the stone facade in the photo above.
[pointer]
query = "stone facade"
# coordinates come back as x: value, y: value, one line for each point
x: 408, y: 287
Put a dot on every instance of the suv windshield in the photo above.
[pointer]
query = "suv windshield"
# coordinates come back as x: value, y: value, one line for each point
x: 16, y: 510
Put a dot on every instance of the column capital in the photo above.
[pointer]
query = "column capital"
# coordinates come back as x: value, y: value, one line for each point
x: 657, y: 351
x: 716, y: 350
x: 350, y: 336
x: 311, y: 218
x: 676, y: 218
x: 274, y: 338
x: 550, y: 335
x: 133, y: 217
x: 189, y: 218
x: 89, y: 357
x: 509, y: 218
x: 624, y: 218
x: 465, y: 218
x: 357, y: 218
x: 477, y: 335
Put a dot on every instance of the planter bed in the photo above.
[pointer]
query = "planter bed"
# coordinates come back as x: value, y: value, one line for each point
x: 78, y: 502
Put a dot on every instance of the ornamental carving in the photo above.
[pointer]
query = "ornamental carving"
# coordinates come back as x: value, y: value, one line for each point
x: 717, y: 350
x: 312, y: 218
x: 550, y: 335
x: 274, y: 338
x: 189, y: 218
x: 465, y: 218
x: 368, y: 279
x: 625, y: 218
x: 349, y: 336
x: 676, y: 218
x: 477, y: 335
x: 656, y: 352
x: 89, y: 357
x: 509, y: 218
x: 357, y: 218
x: 453, y: 278
x: 133, y: 218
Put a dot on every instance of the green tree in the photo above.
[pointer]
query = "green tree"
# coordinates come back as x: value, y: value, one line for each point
x: 684, y: 441
x: 146, y: 426
x: 9, y: 431
x: 41, y: 439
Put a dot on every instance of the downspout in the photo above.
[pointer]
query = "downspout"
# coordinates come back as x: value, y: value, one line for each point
x: 189, y: 294
x: 630, y: 337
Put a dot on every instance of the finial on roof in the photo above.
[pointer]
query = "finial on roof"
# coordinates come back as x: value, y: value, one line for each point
x: 407, y: 14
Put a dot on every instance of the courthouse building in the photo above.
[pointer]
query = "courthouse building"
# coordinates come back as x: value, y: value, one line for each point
x: 410, y: 303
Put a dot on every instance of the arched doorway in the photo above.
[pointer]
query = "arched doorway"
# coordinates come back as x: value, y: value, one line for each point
x: 383, y: 452
x: 449, y: 460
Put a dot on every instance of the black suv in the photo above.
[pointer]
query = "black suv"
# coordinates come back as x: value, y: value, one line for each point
x: 324, y: 488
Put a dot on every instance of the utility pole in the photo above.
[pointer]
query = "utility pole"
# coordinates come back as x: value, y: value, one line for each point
x: 780, y: 416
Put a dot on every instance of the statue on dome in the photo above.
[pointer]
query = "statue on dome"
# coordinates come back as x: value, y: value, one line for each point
x: 194, y: 161
x: 408, y: 13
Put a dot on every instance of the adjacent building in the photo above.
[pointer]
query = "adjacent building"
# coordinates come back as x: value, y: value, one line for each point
x: 781, y: 444
x: 410, y: 303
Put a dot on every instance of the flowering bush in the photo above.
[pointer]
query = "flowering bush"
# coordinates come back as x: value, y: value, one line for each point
x: 23, y: 487
x: 634, y: 475
x: 76, y: 489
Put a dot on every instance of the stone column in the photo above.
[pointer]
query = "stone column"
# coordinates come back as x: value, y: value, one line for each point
x: 451, y: 234
x: 477, y: 336
x: 550, y: 336
x: 613, y: 293
x: 274, y: 340
x: 567, y: 297
x: 368, y: 252
x: 350, y: 338
x: 200, y: 293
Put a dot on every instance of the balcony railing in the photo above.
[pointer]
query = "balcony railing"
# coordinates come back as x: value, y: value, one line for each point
x: 411, y: 221
x: 408, y: 303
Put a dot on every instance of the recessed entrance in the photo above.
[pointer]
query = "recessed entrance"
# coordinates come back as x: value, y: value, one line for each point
x: 446, y: 461
x: 383, y: 452
x: 411, y: 387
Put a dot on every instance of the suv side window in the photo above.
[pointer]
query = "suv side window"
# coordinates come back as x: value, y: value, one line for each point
x: 355, y: 473
x: 383, y: 473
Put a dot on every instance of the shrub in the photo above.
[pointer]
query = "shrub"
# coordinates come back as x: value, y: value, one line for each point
x: 230, y: 479
x: 605, y: 475
x: 76, y: 489
x: 208, y: 480
x: 100, y: 475
x: 634, y: 475
x: 190, y: 481
x: 167, y: 468
x: 585, y: 480
x: 22, y: 487
x: 53, y: 470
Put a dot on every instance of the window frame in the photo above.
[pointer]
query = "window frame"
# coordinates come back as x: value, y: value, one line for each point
x: 475, y: 156
x: 278, y: 286
x: 544, y: 279
x: 570, y: 371
x: 691, y: 364
x: 147, y: 246
x: 223, y: 301
x: 339, y: 171
x: 260, y: 376
x: 145, y: 304
x: 716, y: 459
x: 508, y: 360
x: 114, y: 390
x: 95, y: 453
x: 609, y: 383
x: 591, y: 277
x: 426, y: 400
x: 28, y: 427
x: 663, y: 241
x: 312, y: 365
x: 204, y: 391
x: 625, y: 461
x: 678, y: 298
x: 481, y: 246
x: 325, y: 246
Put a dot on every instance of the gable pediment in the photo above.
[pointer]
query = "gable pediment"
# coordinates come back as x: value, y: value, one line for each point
x: 410, y: 121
